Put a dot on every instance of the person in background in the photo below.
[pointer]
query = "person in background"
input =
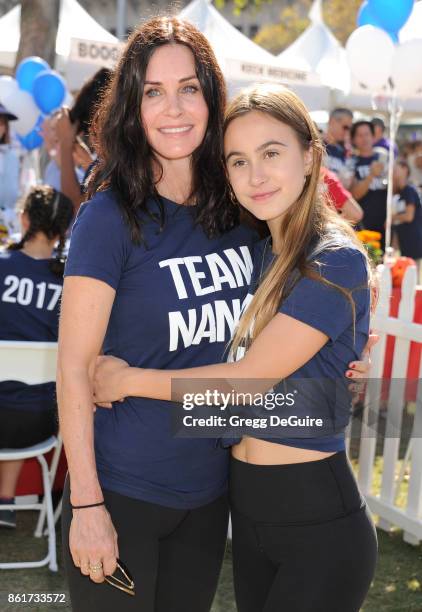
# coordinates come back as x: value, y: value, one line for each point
x: 415, y: 164
x: 73, y: 129
x: 31, y: 280
x: 407, y: 215
x: 9, y: 169
x: 379, y: 134
x: 369, y: 186
x: 342, y: 200
x: 52, y: 172
x: 406, y: 149
x: 337, y: 144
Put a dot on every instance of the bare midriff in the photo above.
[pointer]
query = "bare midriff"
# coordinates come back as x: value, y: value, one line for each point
x: 261, y: 452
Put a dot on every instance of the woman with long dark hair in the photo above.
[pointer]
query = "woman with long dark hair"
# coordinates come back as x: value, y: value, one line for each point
x: 157, y: 273
x: 298, y: 517
x: 31, y: 279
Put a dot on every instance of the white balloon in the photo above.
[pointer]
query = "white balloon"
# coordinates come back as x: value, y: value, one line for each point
x: 68, y: 99
x: 370, y: 53
x: 406, y: 70
x: 8, y: 86
x: 22, y: 104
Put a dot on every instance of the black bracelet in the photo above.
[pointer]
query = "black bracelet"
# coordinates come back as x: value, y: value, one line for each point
x: 87, y: 506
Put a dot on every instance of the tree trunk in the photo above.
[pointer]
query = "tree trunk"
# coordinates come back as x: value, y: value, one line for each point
x: 39, y: 23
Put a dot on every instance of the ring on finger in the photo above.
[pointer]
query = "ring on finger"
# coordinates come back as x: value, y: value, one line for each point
x: 95, y: 567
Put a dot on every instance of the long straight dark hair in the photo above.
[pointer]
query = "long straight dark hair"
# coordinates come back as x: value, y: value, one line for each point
x: 125, y: 157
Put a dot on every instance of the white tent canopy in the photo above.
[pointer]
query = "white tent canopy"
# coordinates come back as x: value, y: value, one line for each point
x: 316, y: 50
x: 226, y: 40
x: 74, y: 22
x: 244, y: 62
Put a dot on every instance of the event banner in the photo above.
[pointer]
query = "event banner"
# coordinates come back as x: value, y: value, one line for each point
x: 94, y: 52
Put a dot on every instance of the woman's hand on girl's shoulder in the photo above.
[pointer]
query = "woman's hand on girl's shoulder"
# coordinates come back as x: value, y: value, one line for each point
x: 108, y: 380
x: 362, y: 368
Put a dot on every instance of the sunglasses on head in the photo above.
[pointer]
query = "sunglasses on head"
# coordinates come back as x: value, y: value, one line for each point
x: 121, y: 579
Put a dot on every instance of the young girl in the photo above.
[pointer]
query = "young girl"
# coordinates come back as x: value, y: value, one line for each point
x: 303, y: 539
x: 31, y: 280
x: 157, y: 273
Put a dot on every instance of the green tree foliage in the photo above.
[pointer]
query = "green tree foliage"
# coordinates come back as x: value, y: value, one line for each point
x: 339, y: 16
x: 293, y: 21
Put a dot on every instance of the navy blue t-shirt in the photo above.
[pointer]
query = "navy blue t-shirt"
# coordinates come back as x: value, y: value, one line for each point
x: 374, y: 203
x: 177, y: 302
x: 335, y: 158
x: 29, y: 310
x: 320, y: 384
x: 409, y: 234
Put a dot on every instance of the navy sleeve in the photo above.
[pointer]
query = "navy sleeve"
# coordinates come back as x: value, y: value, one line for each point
x: 100, y: 241
x: 411, y: 196
x: 325, y: 307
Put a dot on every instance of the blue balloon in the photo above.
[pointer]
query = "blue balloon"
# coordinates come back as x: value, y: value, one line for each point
x: 27, y: 71
x: 49, y: 91
x: 365, y: 17
x: 33, y: 139
x: 391, y: 15
x: 394, y: 36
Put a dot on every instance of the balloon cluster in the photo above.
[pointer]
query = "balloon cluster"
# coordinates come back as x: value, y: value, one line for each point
x: 375, y: 56
x: 36, y: 92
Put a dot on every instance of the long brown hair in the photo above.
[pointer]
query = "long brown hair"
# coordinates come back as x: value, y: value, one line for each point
x: 123, y: 150
x: 308, y: 224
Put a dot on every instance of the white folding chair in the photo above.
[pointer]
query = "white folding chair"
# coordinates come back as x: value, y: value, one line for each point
x: 33, y: 363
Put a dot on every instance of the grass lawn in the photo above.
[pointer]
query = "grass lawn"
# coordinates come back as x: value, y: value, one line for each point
x: 397, y: 586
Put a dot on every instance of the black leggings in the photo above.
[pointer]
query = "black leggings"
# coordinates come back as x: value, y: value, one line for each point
x: 22, y: 428
x: 174, y: 557
x: 303, y: 539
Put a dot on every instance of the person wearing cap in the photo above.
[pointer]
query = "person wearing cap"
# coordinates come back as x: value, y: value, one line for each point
x: 9, y: 166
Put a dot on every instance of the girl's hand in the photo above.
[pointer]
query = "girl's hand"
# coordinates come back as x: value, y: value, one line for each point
x: 65, y: 129
x: 108, y: 380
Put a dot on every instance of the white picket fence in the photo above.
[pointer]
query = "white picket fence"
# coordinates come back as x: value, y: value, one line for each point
x: 409, y: 517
